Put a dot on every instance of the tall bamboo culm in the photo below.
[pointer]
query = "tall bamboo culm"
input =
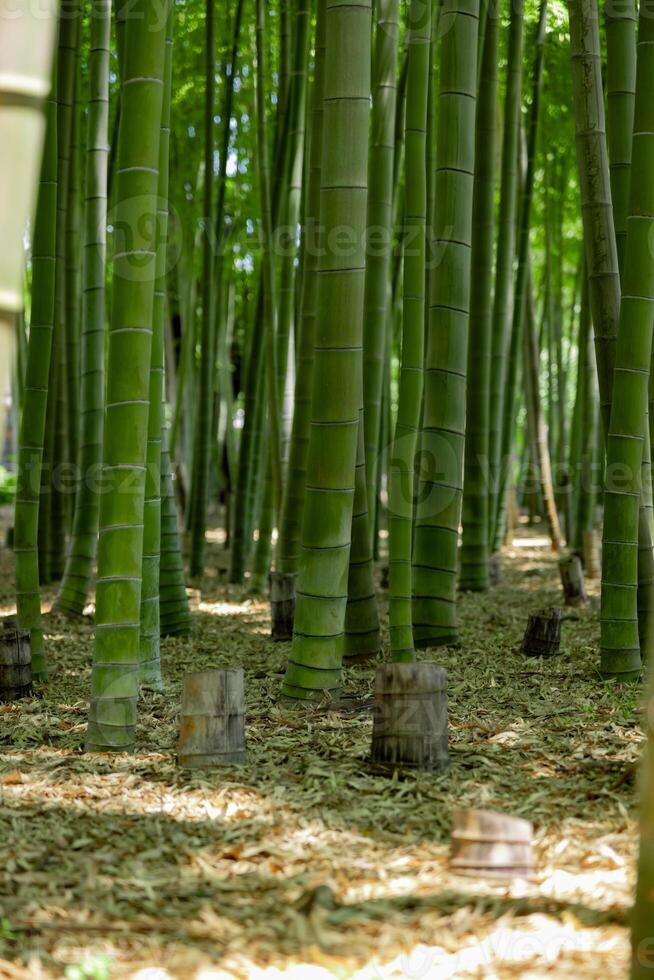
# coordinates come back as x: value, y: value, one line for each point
x: 403, y: 448
x: 73, y: 593
x: 174, y: 611
x: 150, y: 601
x: 522, y: 274
x: 204, y: 414
x: 438, y: 512
x: 117, y: 656
x: 26, y: 50
x: 620, y: 94
x: 58, y: 497
x: 475, y: 539
x: 620, y: 640
x: 380, y: 212
x: 506, y: 239
x: 315, y: 661
x: 288, y: 549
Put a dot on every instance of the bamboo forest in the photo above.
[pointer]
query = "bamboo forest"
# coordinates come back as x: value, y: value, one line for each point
x: 326, y: 498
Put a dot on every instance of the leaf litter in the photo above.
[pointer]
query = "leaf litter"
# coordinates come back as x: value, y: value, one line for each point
x: 306, y: 861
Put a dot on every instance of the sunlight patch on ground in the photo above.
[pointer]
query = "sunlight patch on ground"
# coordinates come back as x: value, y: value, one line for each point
x: 533, y: 948
x: 214, y: 874
x: 228, y: 608
x: 537, y: 542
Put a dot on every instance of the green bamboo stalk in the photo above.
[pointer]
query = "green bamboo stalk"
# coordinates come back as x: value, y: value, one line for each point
x: 585, y: 425
x: 535, y: 418
x: 315, y: 662
x: 249, y: 449
x: 288, y: 549
x: 403, y: 448
x: 380, y: 212
x: 293, y: 186
x: 620, y: 95
x: 58, y: 497
x: 362, y: 639
x: 268, y: 266
x: 292, y: 193
x: 44, y: 516
x: 21, y: 362
x: 73, y: 279
x: 58, y: 489
x: 601, y: 248
x: 506, y: 240
x: 150, y: 601
x: 521, y: 288
x: 116, y: 667
x: 474, y: 574
x: 443, y: 426
x: 74, y: 589
x: 204, y: 416
x: 595, y: 191
x: 33, y: 419
x: 620, y: 642
x: 174, y: 612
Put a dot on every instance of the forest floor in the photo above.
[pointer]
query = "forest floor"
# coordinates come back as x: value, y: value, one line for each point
x: 304, y: 862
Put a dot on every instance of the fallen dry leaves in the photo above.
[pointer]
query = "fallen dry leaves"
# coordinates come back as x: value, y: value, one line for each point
x: 305, y: 861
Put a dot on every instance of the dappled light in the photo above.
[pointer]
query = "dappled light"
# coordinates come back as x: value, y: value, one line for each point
x: 326, y: 504
x: 304, y: 856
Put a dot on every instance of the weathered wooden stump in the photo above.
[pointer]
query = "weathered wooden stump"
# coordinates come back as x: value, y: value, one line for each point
x: 212, y: 729
x: 282, y: 605
x: 194, y: 597
x: 592, y: 564
x: 491, y: 845
x: 572, y: 580
x: 495, y: 571
x: 410, y: 717
x: 9, y: 538
x: 15, y: 661
x: 543, y: 634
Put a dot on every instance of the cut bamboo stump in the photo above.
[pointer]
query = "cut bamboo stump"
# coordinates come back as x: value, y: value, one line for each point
x: 491, y: 845
x: 384, y: 577
x: 212, y: 730
x: 9, y: 539
x: 282, y: 605
x: 15, y: 661
x: 572, y: 580
x: 410, y: 717
x: 592, y: 565
x: 543, y: 634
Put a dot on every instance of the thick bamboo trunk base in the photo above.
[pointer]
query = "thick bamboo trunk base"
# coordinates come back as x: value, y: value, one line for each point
x: 543, y: 634
x: 592, y: 563
x: 410, y: 717
x: 282, y: 605
x: 572, y: 580
x: 491, y: 845
x: 212, y: 730
x: 15, y: 661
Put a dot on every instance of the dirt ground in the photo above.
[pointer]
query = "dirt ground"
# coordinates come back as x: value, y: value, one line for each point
x: 305, y: 863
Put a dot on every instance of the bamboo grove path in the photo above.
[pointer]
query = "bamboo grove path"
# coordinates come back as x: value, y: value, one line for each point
x: 109, y: 864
